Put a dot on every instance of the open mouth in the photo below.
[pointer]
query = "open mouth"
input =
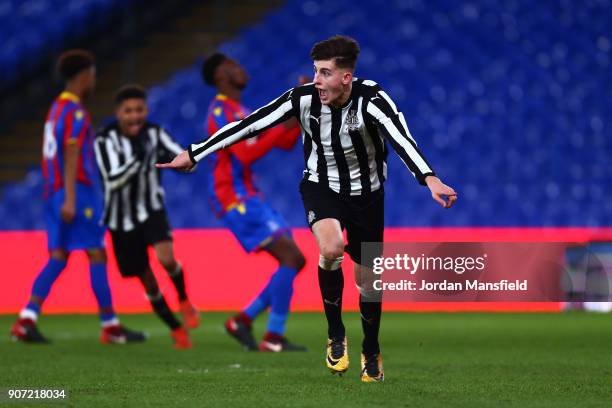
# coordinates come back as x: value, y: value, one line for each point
x: 323, y: 94
x: 134, y: 128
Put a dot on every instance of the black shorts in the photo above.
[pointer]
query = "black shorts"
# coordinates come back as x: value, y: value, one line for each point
x: 131, y: 247
x: 363, y: 216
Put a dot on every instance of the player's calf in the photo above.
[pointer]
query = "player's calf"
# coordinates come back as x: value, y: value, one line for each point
x: 370, y: 307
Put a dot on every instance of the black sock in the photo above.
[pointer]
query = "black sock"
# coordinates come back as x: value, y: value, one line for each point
x: 331, y: 284
x: 370, y: 323
x: 163, y: 311
x: 178, y: 279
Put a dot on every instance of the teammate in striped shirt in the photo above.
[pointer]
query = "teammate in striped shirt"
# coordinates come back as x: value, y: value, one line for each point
x: 72, y: 207
x: 126, y: 150
x: 345, y: 122
x: 240, y: 206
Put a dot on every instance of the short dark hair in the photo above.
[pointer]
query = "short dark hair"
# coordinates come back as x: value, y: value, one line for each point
x: 342, y: 49
x: 72, y: 62
x: 210, y: 67
x: 130, y: 91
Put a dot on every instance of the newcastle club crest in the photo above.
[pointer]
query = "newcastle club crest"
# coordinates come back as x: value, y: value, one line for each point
x: 352, y: 121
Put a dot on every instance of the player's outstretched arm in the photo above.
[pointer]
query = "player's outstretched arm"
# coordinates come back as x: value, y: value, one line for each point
x: 274, y: 113
x: 391, y: 123
x: 443, y: 194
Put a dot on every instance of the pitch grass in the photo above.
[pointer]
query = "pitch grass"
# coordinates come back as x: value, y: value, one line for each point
x: 431, y: 360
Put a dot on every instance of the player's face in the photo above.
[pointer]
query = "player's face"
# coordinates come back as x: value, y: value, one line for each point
x: 331, y: 81
x: 235, y: 74
x: 131, y: 115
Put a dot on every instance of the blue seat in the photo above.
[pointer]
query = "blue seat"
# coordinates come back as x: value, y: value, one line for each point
x: 31, y: 30
x: 516, y: 122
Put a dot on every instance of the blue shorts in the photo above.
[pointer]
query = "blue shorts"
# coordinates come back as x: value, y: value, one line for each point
x: 85, y: 231
x: 255, y: 224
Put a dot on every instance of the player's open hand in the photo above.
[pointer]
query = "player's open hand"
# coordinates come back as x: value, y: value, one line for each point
x: 68, y: 211
x: 181, y: 162
x: 440, y: 192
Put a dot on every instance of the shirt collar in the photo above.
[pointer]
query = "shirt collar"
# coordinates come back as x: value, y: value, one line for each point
x: 70, y: 96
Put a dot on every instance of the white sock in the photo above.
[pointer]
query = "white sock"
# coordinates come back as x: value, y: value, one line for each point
x: 111, y: 322
x: 28, y: 314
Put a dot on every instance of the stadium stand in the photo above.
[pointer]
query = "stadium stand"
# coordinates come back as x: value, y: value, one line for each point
x: 509, y: 101
x: 172, y: 33
x: 34, y: 27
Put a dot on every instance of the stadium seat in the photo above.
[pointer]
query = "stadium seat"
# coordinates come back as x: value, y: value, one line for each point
x: 509, y: 101
x: 31, y: 29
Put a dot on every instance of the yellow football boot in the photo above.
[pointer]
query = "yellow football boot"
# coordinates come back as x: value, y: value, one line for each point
x: 372, y: 368
x: 336, y: 358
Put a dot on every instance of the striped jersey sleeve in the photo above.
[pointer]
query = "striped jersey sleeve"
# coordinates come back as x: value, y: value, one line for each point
x: 262, y: 119
x: 168, y: 148
x: 392, y: 124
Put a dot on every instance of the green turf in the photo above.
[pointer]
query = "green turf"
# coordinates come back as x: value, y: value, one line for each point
x: 431, y: 360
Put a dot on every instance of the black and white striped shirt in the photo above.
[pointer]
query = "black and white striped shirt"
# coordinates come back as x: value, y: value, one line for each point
x: 132, y: 189
x: 344, y: 147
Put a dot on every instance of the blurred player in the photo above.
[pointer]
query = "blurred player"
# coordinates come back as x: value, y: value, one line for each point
x: 72, y: 207
x: 345, y: 122
x: 126, y: 152
x: 235, y: 199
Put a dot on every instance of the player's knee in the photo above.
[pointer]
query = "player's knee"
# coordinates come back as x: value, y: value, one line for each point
x: 330, y: 264
x: 154, y: 295
x: 174, y: 269
x: 332, y: 250
x: 58, y: 255
x: 292, y: 258
x: 297, y: 261
x: 168, y: 262
x: 300, y: 262
x: 97, y: 255
x: 331, y: 255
